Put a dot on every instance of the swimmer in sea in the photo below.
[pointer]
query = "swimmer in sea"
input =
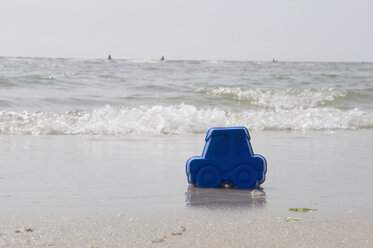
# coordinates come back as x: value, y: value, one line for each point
x: 109, y: 57
x: 162, y: 58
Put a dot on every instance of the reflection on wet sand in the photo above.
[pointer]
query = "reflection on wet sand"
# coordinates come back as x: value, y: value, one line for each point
x: 205, y: 197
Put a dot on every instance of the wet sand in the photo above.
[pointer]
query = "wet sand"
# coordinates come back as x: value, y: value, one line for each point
x: 110, y: 191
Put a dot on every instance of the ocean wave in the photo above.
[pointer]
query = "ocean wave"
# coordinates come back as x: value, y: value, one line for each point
x: 284, y: 98
x: 177, y: 119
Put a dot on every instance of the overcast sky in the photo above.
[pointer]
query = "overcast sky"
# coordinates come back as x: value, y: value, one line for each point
x: 296, y: 30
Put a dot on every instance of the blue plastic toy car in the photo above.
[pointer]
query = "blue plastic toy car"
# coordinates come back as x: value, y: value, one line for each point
x: 227, y: 158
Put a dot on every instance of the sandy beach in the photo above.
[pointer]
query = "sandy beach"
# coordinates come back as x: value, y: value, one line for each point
x: 208, y: 229
x: 115, y: 191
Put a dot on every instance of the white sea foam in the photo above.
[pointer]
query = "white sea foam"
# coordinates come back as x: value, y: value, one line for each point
x: 177, y: 119
x: 284, y: 98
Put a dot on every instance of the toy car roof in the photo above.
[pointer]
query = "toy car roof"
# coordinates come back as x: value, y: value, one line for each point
x: 227, y: 131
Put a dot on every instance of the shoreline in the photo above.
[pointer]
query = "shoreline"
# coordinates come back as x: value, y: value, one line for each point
x: 330, y: 171
x: 110, y: 191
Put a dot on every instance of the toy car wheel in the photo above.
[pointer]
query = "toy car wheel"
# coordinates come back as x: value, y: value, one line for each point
x: 260, y: 181
x: 208, y: 177
x: 244, y: 176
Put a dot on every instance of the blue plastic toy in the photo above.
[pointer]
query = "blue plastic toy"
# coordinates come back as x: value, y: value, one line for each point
x: 227, y: 158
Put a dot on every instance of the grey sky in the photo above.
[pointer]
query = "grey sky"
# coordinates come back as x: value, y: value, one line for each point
x: 300, y: 30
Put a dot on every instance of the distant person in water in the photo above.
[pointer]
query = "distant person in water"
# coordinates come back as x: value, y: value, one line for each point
x: 274, y: 60
x: 162, y: 58
x: 109, y: 57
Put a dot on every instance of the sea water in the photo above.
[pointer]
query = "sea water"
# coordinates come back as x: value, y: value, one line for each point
x: 98, y: 135
x: 58, y: 96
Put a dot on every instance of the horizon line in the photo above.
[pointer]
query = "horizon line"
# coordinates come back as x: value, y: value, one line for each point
x: 173, y: 59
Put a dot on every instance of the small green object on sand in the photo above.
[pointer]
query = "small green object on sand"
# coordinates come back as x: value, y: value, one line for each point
x: 302, y: 210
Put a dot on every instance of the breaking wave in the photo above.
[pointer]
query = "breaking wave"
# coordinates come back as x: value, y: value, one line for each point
x: 284, y: 98
x: 178, y: 119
